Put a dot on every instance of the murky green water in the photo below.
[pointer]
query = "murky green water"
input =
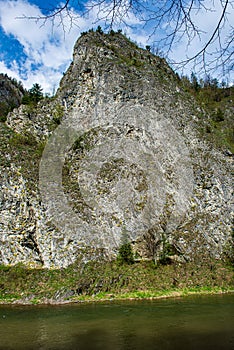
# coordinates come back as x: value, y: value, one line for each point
x: 187, y: 323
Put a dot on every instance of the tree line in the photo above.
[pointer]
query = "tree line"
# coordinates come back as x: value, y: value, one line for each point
x: 206, y: 89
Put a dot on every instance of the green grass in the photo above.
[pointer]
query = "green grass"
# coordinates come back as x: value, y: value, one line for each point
x: 111, y: 280
x: 217, y: 114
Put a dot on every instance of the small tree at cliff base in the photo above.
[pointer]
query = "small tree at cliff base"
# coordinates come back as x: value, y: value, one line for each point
x: 125, y: 255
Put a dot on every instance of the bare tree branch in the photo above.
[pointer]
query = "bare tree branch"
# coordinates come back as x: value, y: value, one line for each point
x: 170, y: 20
x: 215, y: 32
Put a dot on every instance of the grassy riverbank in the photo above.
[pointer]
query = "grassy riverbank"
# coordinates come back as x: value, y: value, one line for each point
x: 111, y: 280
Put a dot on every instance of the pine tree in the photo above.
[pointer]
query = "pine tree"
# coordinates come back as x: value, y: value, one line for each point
x: 35, y: 93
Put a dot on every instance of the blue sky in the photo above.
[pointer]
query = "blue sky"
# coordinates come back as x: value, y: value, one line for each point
x: 33, y: 53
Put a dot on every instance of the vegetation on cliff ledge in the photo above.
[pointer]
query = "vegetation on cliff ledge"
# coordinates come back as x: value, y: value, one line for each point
x: 112, y: 280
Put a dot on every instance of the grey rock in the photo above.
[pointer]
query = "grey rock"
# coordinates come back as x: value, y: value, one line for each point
x: 126, y: 161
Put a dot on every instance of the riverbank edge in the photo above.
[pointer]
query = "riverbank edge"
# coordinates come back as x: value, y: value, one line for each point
x: 133, y: 296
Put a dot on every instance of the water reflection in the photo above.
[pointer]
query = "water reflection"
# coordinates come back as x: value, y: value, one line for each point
x: 41, y: 333
x: 189, y: 323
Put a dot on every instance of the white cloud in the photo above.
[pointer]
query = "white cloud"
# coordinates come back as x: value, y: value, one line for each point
x: 48, y: 53
x: 48, y: 78
x: 206, y: 21
x: 45, y: 46
x: 12, y: 71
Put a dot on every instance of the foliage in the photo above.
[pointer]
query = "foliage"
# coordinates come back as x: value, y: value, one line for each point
x: 36, y: 92
x: 125, y: 255
x: 25, y: 152
x: 19, y: 140
x: 4, y: 110
x: 216, y: 102
x: 219, y: 115
x: 57, y: 113
x: 99, y: 30
x: 7, y: 106
x: 34, y: 95
x: 98, y: 280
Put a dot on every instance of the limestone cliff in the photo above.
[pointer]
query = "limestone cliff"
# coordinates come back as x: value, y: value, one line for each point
x: 11, y: 94
x: 125, y: 159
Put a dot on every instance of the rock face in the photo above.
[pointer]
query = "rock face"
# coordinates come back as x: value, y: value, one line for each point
x: 126, y: 160
x: 11, y: 94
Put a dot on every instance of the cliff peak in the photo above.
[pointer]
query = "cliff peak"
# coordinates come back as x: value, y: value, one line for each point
x: 124, y: 161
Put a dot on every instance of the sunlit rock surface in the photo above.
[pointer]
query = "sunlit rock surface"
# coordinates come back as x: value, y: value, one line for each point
x: 125, y: 159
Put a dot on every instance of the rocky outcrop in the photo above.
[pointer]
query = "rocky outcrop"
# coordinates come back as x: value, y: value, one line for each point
x: 126, y: 160
x: 11, y: 94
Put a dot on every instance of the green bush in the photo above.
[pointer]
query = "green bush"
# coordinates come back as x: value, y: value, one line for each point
x: 58, y: 113
x: 219, y: 116
x: 125, y: 255
x: 99, y: 30
x: 34, y: 95
x: 19, y: 140
x: 3, y: 118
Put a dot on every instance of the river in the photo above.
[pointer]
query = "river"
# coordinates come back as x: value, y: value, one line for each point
x: 194, y: 322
